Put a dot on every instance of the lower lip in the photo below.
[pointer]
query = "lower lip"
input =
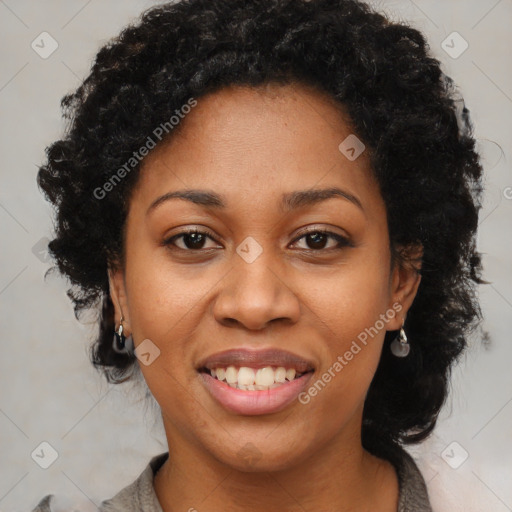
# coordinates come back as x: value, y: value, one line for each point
x: 252, y: 403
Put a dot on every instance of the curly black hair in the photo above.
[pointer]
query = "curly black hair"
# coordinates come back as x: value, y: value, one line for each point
x: 402, y: 106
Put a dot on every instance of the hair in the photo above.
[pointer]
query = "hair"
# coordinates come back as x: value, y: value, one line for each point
x: 401, y: 105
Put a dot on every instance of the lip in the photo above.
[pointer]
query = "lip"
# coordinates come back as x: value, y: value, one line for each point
x: 256, y: 359
x: 251, y: 403
x: 255, y: 402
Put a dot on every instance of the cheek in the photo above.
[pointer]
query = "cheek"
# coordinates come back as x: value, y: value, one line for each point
x: 165, y: 308
x: 163, y: 296
x: 352, y: 304
x: 349, y: 299
x: 337, y: 392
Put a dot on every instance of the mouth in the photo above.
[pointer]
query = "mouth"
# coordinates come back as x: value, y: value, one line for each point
x: 250, y: 382
x: 254, y: 379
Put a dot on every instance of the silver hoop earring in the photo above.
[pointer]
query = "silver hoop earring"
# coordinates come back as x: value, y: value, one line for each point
x: 400, y: 346
x: 120, y: 343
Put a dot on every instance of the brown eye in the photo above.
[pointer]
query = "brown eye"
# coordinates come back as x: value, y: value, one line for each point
x: 318, y: 239
x: 192, y: 240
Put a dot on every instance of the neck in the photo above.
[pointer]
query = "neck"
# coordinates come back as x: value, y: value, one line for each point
x: 340, y: 476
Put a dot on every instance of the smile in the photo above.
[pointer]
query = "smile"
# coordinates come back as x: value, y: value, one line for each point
x: 251, y: 382
x: 255, y: 379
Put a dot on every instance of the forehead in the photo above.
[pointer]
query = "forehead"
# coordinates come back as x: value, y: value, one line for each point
x: 257, y: 142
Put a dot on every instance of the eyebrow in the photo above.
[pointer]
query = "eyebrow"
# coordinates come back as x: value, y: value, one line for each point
x: 289, y: 201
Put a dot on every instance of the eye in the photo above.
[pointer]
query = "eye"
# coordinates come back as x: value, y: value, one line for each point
x: 193, y: 239
x: 317, y: 240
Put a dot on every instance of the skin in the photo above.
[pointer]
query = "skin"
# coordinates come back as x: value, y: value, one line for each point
x: 251, y: 145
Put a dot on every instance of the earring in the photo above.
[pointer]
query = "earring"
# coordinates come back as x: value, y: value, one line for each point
x: 120, y: 343
x: 399, y: 346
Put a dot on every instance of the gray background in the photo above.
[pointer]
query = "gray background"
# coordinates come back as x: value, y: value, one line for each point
x: 104, y: 435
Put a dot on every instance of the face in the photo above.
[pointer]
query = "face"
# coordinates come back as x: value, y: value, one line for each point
x: 271, y: 268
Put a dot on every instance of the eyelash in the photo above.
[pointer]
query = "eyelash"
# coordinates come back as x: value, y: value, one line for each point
x: 342, y: 241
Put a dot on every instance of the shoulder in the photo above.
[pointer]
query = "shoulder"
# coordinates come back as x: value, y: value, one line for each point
x: 44, y: 504
x: 53, y: 503
x: 413, y: 493
x: 413, y: 489
x: 139, y: 496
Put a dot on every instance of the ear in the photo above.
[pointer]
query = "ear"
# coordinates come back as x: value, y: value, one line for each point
x: 404, y: 283
x: 117, y: 288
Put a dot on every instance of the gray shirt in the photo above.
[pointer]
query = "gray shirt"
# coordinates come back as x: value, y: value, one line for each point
x: 140, y: 496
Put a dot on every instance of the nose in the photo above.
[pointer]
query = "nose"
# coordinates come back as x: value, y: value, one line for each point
x: 255, y: 294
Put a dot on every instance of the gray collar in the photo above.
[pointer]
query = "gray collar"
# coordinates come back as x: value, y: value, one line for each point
x: 140, y: 495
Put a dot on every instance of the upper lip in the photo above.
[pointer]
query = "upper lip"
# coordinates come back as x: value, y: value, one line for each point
x: 256, y: 359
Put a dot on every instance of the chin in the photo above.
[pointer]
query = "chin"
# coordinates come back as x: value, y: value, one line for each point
x: 254, y: 457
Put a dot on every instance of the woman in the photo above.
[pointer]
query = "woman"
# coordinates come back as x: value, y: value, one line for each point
x: 275, y: 202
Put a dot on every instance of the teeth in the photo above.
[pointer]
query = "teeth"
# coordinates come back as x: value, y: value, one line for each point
x: 251, y: 379
x: 280, y: 374
x: 246, y: 376
x: 290, y: 374
x: 231, y: 375
x: 264, y: 376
